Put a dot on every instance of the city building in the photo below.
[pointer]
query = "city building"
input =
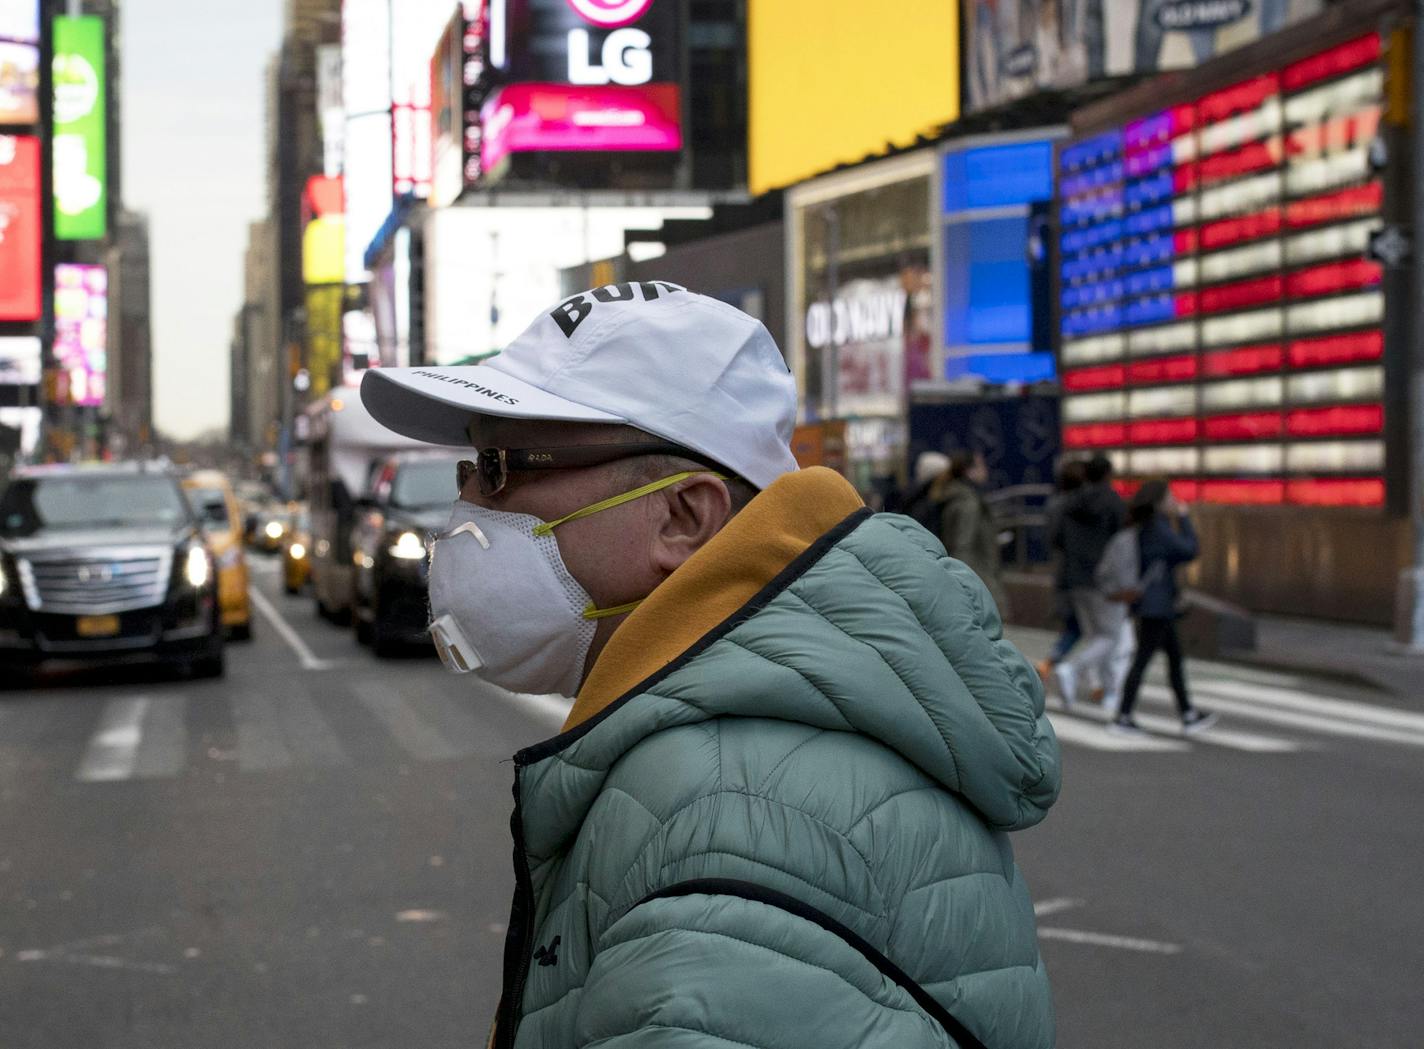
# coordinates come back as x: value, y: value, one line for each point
x: 129, y: 394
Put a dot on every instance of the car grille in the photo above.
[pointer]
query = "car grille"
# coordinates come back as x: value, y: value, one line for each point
x: 87, y: 585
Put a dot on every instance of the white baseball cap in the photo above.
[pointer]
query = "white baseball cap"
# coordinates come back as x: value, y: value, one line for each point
x: 682, y: 366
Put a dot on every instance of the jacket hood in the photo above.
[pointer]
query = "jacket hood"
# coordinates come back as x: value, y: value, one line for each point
x: 808, y: 608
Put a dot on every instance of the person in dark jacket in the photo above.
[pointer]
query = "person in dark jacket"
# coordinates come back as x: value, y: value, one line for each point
x: 919, y: 503
x: 967, y: 526
x: 1091, y: 516
x: 1165, y: 539
x: 1071, y: 477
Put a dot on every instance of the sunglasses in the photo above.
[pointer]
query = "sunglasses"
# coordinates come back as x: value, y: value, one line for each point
x: 491, y: 467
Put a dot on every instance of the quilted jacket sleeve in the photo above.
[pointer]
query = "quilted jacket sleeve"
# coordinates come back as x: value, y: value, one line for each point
x: 722, y: 972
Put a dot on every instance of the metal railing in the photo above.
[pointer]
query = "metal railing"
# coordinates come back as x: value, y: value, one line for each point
x: 1022, y: 511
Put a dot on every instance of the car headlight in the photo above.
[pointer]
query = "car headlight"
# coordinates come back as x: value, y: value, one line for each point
x: 408, y: 547
x: 274, y: 529
x: 4, y: 580
x: 297, y: 551
x: 196, y: 568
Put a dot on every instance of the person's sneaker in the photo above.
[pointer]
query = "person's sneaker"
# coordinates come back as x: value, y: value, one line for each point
x: 1067, y: 683
x: 1196, y: 720
x: 1122, y: 725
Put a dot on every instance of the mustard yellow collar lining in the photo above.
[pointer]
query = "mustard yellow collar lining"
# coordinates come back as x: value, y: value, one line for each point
x: 773, y: 530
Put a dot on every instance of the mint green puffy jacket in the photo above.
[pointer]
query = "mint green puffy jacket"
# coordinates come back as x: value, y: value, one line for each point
x: 796, y: 834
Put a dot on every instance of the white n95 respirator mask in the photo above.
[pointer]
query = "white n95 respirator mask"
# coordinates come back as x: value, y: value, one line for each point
x: 504, y: 605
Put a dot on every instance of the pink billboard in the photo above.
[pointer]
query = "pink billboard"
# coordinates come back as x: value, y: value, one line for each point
x: 81, y: 332
x: 524, y: 118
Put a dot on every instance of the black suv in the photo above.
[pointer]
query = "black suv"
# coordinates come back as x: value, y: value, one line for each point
x: 409, y: 500
x: 105, y: 563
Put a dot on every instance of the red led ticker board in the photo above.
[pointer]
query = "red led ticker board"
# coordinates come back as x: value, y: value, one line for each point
x: 1214, y: 291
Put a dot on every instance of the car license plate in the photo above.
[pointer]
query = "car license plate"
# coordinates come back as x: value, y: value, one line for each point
x: 97, y: 626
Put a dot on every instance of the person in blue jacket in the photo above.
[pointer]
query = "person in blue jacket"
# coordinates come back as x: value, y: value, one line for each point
x: 1165, y: 539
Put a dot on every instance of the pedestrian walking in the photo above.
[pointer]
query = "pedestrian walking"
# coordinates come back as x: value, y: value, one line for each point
x: 1091, y: 517
x: 798, y: 741
x: 967, y: 526
x: 1070, y: 476
x: 1165, y: 540
x: 920, y: 503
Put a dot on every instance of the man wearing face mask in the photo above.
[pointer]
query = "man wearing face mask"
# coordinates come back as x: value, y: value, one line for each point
x: 778, y: 811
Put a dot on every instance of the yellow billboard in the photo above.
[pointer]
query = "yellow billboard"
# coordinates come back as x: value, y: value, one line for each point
x: 835, y: 81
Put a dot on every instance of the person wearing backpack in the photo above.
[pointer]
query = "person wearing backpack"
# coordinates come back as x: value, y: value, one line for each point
x: 1165, y: 539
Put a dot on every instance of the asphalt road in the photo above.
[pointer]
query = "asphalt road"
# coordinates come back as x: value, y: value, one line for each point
x: 314, y: 852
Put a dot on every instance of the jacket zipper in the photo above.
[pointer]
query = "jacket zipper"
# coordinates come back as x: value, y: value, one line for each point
x: 520, y: 936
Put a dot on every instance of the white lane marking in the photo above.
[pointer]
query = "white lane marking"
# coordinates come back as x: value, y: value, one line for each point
x: 551, y: 709
x: 307, y: 731
x: 1217, y: 736
x: 114, y: 746
x: 1043, y: 908
x: 260, y: 747
x: 309, y: 659
x: 1291, y: 719
x: 80, y: 952
x: 101, y: 961
x: 414, y: 734
x: 1309, y: 703
x: 1101, y: 939
x: 1094, y: 734
x: 164, y: 750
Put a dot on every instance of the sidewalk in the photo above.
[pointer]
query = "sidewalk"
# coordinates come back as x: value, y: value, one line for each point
x: 1362, y: 655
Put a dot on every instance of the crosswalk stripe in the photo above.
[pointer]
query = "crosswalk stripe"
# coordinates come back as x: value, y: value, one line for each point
x: 1305, y: 722
x: 114, y: 745
x: 1094, y: 735
x: 307, y: 732
x: 1310, y: 703
x: 260, y: 746
x: 1221, y: 737
x: 415, y: 735
x: 163, y: 751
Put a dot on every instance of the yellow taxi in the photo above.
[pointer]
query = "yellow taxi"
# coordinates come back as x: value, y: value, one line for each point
x: 216, y: 506
x: 296, y: 557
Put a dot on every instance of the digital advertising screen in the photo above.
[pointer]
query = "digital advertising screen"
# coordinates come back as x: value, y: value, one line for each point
x: 21, y: 286
x: 20, y: 21
x: 81, y: 332
x: 1220, y: 320
x: 580, y: 76
x: 81, y: 195
x: 831, y: 82
x: 996, y: 281
x: 19, y: 84
x: 1016, y: 49
x: 563, y: 118
x: 19, y: 360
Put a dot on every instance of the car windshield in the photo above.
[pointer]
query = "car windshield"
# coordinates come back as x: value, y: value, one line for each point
x: 32, y: 504
x: 211, y: 505
x: 426, y: 483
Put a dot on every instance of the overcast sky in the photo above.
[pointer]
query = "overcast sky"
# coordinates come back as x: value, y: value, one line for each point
x: 193, y: 143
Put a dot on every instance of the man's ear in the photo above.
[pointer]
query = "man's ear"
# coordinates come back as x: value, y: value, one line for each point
x: 696, y: 511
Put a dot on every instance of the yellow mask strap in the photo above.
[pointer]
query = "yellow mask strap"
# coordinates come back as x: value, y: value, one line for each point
x: 603, y: 613
x: 547, y: 527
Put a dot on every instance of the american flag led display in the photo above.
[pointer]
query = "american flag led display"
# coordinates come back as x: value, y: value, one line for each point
x: 1210, y: 255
